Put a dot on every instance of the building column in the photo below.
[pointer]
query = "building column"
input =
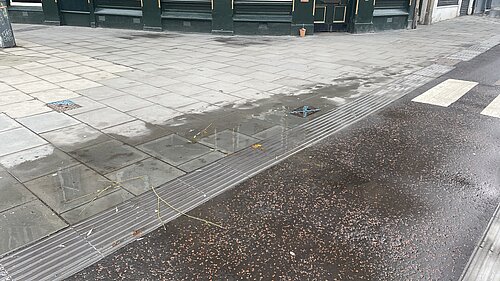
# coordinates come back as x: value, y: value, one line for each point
x: 151, y: 15
x: 51, y: 12
x: 363, y: 16
x: 92, y: 17
x: 222, y: 16
x: 302, y: 16
x: 412, y: 9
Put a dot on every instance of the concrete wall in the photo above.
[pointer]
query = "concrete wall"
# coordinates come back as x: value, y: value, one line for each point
x: 445, y: 12
x: 495, y: 9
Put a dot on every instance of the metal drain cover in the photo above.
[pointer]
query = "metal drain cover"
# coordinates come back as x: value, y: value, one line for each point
x: 63, y: 105
x: 304, y: 111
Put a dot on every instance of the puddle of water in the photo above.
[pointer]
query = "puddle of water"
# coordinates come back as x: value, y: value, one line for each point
x: 275, y: 109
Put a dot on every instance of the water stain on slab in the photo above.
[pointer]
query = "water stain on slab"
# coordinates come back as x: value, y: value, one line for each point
x: 243, y: 42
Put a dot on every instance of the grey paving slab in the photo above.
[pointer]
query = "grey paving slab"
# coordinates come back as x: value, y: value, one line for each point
x: 141, y: 176
x: 155, y: 114
x: 85, y: 104
x: 99, y: 75
x: 47, y: 121
x: 174, y: 149
x: 37, y: 86
x: 74, y: 137
x: 5, y: 88
x: 69, y: 188
x: 230, y: 77
x: 251, y: 94
x: 98, y: 205
x: 185, y: 89
x: 100, y: 93
x: 120, y: 83
x: 104, y: 118
x: 259, y: 85
x: 19, y: 79
x: 62, y: 64
x: 136, y: 132
x: 195, y: 79
x: 144, y: 91
x: 10, y: 71
x: 58, y: 77
x: 228, y: 141
x: 14, y: 96
x: 159, y: 81
x: 7, y: 123
x: 35, y: 162
x: 264, y: 76
x: 197, y: 108
x: 18, y: 139
x: 13, y: 192
x: 80, y: 69
x: 24, y: 108
x: 126, y: 102
x: 55, y: 95
x: 114, y: 68
x: 201, y: 71
x: 79, y: 84
x: 25, y: 224
x: 223, y: 87
x: 173, y: 100
x: 216, y: 98
x: 201, y: 161
x: 108, y: 156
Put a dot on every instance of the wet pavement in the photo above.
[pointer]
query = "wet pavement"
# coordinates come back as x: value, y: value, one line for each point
x: 164, y: 105
x: 404, y: 194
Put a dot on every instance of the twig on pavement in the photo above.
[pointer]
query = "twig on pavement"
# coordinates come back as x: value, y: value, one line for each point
x: 181, y: 212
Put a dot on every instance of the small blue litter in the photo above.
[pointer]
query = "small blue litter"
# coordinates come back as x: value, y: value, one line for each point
x: 304, y: 111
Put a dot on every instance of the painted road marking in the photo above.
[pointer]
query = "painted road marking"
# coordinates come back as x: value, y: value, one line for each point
x: 446, y: 93
x: 493, y: 109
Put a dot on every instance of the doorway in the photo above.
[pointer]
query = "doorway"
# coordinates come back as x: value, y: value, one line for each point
x: 331, y: 15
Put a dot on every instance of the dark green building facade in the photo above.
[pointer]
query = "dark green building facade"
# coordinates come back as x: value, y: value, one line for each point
x: 257, y: 17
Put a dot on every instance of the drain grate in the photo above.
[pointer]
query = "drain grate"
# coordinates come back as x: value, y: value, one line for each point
x: 63, y: 105
x: 304, y: 111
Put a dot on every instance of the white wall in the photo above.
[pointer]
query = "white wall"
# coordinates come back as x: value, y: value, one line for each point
x: 445, y: 12
x: 469, y: 9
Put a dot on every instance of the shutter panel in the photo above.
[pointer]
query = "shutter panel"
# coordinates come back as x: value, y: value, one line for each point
x: 391, y: 4
x: 447, y: 2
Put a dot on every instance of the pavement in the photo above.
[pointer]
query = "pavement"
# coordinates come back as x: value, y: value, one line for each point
x: 143, y: 109
x: 404, y: 194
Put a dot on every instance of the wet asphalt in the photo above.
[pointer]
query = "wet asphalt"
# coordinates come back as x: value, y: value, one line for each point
x: 404, y: 194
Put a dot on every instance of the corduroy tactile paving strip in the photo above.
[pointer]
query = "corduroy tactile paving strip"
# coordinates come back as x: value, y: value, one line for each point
x: 76, y: 247
x: 484, y: 263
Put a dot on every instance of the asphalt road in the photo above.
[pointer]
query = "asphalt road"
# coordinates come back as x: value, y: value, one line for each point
x: 404, y: 194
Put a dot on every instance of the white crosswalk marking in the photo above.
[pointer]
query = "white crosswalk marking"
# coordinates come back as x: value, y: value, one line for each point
x: 446, y: 93
x: 493, y: 109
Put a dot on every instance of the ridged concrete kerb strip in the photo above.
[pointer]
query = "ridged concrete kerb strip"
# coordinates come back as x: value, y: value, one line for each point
x: 76, y: 247
x: 484, y: 263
